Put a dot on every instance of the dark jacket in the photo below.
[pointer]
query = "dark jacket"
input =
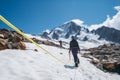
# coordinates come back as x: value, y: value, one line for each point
x: 74, y: 45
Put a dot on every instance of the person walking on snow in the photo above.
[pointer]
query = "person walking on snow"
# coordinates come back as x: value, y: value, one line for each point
x: 74, y: 48
x: 60, y: 43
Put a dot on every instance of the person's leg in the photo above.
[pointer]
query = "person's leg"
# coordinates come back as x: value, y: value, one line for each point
x: 76, y: 60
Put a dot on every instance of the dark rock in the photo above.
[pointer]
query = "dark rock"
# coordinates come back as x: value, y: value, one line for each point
x: 107, y: 55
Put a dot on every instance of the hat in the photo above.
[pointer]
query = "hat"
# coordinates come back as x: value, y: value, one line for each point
x: 73, y: 37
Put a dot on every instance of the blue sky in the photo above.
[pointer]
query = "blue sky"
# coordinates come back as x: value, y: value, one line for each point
x: 35, y: 16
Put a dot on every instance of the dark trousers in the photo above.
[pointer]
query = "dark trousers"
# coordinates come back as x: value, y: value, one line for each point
x: 74, y: 53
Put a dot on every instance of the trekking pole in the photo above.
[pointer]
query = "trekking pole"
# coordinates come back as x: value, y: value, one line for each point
x: 69, y: 56
x: 78, y: 56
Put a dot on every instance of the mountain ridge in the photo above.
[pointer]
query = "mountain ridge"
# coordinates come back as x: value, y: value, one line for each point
x: 77, y: 28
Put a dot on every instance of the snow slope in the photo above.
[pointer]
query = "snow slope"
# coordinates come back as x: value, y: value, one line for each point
x: 31, y: 65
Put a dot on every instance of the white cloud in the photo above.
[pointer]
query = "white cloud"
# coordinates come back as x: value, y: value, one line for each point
x: 94, y: 27
x: 113, y: 22
x: 117, y: 8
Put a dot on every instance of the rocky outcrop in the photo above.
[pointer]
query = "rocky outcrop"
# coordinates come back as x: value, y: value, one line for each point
x: 106, y: 57
x: 46, y: 42
x: 11, y: 40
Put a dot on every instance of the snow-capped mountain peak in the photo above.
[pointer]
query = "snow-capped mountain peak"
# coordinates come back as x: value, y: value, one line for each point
x: 72, y: 27
x: 76, y: 21
x: 76, y: 28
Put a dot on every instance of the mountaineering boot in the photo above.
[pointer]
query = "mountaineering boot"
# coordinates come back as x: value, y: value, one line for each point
x: 76, y: 64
